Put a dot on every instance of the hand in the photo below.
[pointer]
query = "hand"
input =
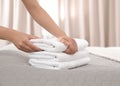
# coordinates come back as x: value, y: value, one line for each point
x: 22, y: 41
x: 70, y: 43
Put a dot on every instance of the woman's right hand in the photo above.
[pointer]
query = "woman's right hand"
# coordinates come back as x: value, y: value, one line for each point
x: 22, y: 41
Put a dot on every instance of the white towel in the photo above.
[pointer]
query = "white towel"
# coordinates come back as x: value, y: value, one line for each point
x: 59, y: 65
x: 49, y: 45
x: 81, y: 43
x: 55, y: 45
x: 54, y: 56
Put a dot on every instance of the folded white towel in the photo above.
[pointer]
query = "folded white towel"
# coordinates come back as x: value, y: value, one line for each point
x: 49, y: 45
x: 59, y: 65
x: 81, y: 43
x: 61, y: 57
x: 55, y: 45
x: 53, y: 57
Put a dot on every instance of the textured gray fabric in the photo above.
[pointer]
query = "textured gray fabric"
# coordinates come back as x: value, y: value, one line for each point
x: 15, y: 71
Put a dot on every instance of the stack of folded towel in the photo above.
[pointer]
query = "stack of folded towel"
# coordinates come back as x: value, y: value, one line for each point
x: 53, y: 56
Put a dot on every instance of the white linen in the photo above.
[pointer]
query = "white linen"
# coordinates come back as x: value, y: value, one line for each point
x: 55, y: 45
x: 11, y: 49
x: 59, y: 65
x: 81, y: 44
x: 61, y: 57
x: 112, y: 53
x: 49, y: 45
x: 53, y: 56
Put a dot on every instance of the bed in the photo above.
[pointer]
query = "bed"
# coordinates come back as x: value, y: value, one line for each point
x: 15, y: 71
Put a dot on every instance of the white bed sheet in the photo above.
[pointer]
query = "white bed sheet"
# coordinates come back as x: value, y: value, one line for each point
x: 112, y: 53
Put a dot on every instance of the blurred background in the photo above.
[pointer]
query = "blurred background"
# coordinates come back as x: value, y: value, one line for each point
x: 97, y: 21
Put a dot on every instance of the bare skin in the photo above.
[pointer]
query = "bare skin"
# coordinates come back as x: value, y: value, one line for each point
x: 21, y: 40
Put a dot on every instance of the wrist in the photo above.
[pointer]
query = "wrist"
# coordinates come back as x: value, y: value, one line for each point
x: 62, y: 34
x: 9, y: 34
x: 4, y: 33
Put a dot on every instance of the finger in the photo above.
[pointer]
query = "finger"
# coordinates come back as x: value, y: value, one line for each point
x: 67, y: 39
x: 75, y: 45
x: 23, y: 47
x: 30, y: 45
x: 64, y: 42
x: 26, y: 49
x: 72, y: 44
x: 68, y: 51
x: 69, y: 43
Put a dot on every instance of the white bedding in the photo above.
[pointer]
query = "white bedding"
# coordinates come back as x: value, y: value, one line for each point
x: 112, y: 53
x: 12, y: 49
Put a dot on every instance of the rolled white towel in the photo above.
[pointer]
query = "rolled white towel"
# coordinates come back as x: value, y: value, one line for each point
x: 61, y: 57
x: 55, y: 45
x: 59, y: 65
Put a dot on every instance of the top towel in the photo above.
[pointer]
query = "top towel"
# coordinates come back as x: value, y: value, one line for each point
x: 54, y: 45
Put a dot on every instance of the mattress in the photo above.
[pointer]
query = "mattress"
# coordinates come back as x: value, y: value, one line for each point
x: 15, y: 71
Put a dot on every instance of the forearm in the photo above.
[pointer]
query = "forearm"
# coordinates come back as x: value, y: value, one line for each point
x: 43, y: 18
x: 5, y: 33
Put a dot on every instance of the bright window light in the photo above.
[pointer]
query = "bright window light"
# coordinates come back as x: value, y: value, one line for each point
x: 51, y: 6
